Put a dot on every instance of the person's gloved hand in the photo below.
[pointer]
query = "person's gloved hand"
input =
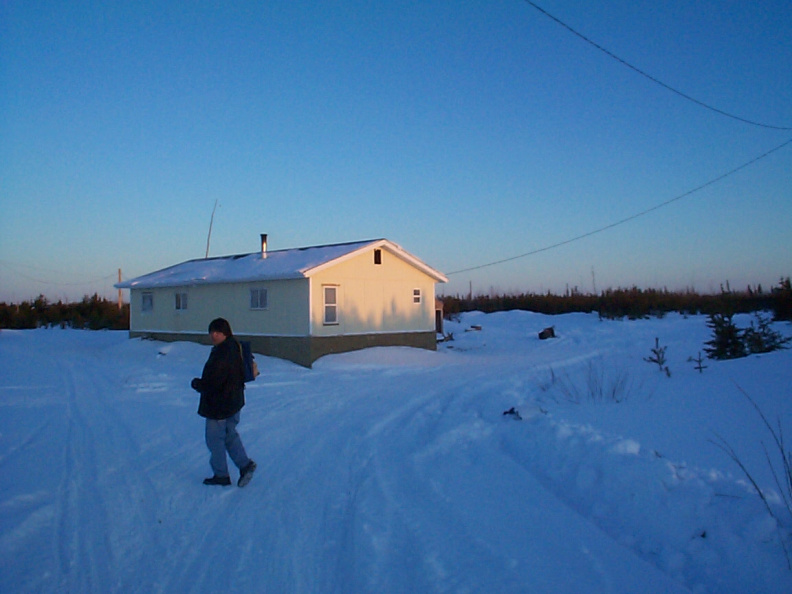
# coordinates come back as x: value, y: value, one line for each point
x: 195, y: 384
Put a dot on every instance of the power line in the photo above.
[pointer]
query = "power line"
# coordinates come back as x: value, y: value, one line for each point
x: 652, y: 78
x: 15, y: 269
x: 631, y: 217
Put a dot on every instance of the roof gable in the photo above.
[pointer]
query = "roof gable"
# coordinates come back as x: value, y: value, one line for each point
x: 391, y: 247
x: 275, y: 265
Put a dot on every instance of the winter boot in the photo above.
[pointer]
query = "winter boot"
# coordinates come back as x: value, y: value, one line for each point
x: 223, y: 481
x: 246, y: 473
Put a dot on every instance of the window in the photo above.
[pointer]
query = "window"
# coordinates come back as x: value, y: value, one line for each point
x: 147, y: 302
x: 181, y: 301
x: 258, y: 298
x: 330, y: 305
x: 416, y: 295
x: 377, y: 256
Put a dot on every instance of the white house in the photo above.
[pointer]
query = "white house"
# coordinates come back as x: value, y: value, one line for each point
x: 297, y: 304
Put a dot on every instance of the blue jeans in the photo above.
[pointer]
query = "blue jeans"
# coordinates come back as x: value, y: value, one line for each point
x: 222, y: 437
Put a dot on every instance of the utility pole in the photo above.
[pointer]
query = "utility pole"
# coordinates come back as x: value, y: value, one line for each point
x: 120, y: 301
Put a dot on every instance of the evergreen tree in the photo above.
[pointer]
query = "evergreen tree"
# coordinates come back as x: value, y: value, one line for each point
x: 727, y: 341
x: 761, y: 338
x: 782, y: 300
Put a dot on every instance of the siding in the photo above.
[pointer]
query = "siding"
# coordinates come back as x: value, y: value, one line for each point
x: 374, y: 298
x: 286, y: 315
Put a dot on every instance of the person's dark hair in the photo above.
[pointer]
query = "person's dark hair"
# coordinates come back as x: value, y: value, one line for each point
x: 220, y: 325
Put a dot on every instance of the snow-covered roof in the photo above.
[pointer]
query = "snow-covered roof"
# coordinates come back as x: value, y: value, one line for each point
x: 275, y: 265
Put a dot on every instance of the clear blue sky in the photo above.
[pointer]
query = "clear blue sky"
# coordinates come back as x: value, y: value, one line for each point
x: 467, y: 132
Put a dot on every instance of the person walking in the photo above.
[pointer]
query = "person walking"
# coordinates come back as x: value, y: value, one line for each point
x: 222, y: 389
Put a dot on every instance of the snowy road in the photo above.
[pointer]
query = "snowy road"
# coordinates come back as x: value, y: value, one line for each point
x: 388, y: 471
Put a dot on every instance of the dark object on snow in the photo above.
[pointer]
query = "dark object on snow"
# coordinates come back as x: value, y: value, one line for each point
x: 221, y: 481
x: 547, y: 333
x: 513, y: 413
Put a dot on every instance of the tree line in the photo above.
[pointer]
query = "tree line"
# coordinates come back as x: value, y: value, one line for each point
x: 97, y: 313
x: 634, y: 302
x: 92, y: 313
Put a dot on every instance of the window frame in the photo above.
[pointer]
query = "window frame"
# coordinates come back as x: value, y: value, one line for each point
x: 181, y: 301
x: 328, y: 306
x: 147, y: 302
x: 259, y: 291
x: 417, y: 296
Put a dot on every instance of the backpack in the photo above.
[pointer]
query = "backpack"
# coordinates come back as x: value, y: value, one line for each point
x: 248, y: 361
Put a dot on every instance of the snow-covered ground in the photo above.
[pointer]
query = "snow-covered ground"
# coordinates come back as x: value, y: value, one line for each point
x: 395, y: 470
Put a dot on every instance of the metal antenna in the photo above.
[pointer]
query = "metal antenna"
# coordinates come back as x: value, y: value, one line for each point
x: 209, y: 237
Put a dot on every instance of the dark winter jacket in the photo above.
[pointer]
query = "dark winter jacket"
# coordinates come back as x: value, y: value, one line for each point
x: 222, y: 384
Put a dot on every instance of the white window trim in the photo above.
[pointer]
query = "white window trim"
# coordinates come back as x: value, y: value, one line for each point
x: 259, y: 291
x: 146, y: 302
x: 417, y: 296
x: 182, y: 301
x: 333, y: 306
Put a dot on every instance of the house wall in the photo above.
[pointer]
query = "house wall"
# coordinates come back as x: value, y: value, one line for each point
x: 285, y: 315
x: 373, y: 298
x: 375, y: 308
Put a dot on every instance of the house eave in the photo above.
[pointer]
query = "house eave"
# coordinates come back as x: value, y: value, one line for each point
x: 203, y: 282
x: 252, y: 268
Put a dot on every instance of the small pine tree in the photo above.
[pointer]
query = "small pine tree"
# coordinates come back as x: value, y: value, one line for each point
x: 658, y: 357
x: 727, y: 341
x: 763, y: 339
x: 699, y: 363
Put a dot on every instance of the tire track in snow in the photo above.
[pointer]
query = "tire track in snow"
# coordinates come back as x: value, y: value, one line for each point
x: 83, y: 564
x: 370, y: 496
x: 102, y: 525
x: 379, y: 519
x: 32, y: 437
x: 421, y: 514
